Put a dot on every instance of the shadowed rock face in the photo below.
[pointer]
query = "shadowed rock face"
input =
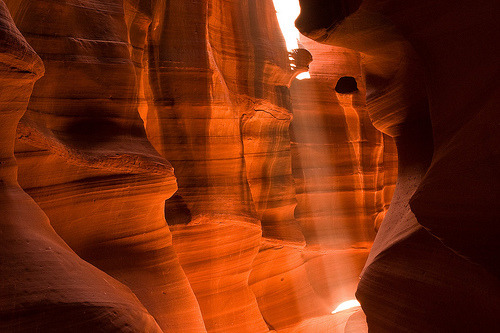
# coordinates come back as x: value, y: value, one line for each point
x: 416, y: 64
x: 324, y: 14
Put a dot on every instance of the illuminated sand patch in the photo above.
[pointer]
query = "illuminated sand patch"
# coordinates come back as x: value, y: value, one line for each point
x: 346, y: 305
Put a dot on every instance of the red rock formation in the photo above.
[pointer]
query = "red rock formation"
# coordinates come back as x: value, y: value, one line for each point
x: 338, y: 166
x: 339, y: 157
x: 270, y: 228
x: 242, y: 75
x: 417, y: 58
x: 196, y: 73
x: 45, y: 286
x: 85, y: 158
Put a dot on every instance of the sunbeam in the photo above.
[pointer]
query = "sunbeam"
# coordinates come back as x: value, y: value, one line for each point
x: 346, y: 305
x: 287, y: 11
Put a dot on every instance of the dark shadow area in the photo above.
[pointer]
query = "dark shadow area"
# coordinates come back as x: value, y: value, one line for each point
x: 346, y: 85
x: 323, y: 14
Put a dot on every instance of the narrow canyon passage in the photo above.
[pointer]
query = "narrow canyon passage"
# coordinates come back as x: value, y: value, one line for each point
x: 249, y: 166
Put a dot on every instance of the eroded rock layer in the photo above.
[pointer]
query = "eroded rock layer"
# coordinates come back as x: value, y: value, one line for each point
x: 341, y: 161
x: 338, y: 167
x: 278, y: 188
x: 45, y: 285
x: 228, y: 139
x: 202, y: 97
x: 85, y: 158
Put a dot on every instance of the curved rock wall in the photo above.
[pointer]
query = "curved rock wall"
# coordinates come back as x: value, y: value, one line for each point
x: 340, y: 160
x: 45, y: 285
x: 195, y: 121
x: 85, y: 159
x: 338, y: 168
x: 278, y: 186
x: 422, y: 274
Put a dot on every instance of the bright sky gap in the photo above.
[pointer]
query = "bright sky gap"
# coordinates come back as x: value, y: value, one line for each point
x: 287, y: 11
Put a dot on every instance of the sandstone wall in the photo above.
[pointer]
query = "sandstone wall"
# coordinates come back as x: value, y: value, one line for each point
x: 431, y: 267
x: 45, y: 285
x: 191, y: 184
x: 339, y: 164
x: 85, y: 158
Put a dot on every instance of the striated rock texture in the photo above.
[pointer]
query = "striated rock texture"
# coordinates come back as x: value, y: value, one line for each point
x: 342, y: 164
x: 338, y: 167
x: 85, y: 159
x: 45, y: 285
x: 277, y: 191
x: 219, y: 111
x: 427, y: 65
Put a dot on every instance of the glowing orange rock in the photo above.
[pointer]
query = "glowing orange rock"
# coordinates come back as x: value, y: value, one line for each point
x: 338, y: 167
x: 85, y: 158
x: 340, y: 159
x: 196, y: 73
x: 269, y: 228
x: 45, y: 285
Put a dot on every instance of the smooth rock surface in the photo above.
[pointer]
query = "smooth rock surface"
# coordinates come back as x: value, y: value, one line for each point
x: 341, y: 167
x: 279, y: 184
x: 45, y: 285
x: 85, y: 158
x: 207, y: 80
x: 426, y: 65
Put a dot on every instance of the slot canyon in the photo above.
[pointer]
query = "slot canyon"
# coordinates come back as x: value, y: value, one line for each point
x: 249, y: 166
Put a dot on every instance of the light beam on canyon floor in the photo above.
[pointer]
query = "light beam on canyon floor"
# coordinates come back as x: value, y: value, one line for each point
x: 346, y: 305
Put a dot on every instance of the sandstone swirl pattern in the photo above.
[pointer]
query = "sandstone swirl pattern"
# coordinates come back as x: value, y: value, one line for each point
x: 85, y: 158
x: 45, y: 285
x: 278, y: 189
x: 338, y: 168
